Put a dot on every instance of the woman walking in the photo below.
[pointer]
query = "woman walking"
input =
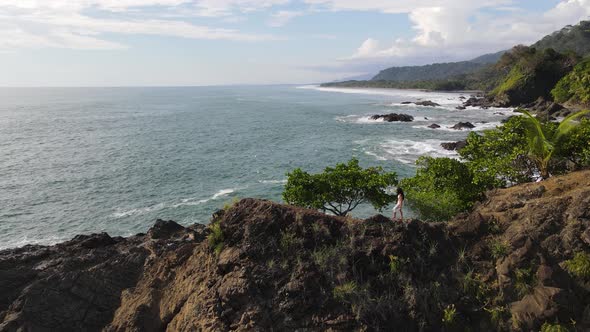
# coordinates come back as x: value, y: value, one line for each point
x: 399, y: 205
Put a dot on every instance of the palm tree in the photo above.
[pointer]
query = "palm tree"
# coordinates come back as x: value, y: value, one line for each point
x: 543, y: 142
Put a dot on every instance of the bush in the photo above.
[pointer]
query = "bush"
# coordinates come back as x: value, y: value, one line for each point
x: 441, y: 188
x: 548, y: 327
x: 499, y: 156
x: 579, y: 266
x: 340, y: 189
x: 499, y: 249
x: 345, y: 292
x: 216, y: 238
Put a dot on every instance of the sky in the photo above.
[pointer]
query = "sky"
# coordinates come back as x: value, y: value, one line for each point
x: 221, y: 42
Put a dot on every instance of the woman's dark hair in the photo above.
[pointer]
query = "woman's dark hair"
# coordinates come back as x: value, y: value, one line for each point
x: 401, y: 191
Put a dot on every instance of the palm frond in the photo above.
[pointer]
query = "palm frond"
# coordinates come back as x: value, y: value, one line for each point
x: 568, y: 124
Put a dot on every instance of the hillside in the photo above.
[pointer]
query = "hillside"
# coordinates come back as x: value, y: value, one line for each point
x: 575, y: 38
x: 436, y: 71
x: 517, y: 261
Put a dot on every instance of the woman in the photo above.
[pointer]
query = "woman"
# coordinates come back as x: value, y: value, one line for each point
x: 399, y: 205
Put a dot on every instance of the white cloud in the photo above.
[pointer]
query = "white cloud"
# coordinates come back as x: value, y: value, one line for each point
x: 68, y: 24
x: 283, y: 17
x: 460, y: 29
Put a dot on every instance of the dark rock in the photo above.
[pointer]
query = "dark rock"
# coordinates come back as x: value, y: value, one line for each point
x: 406, y: 102
x: 454, y: 146
x: 164, y: 229
x: 279, y: 267
x: 434, y: 126
x: 393, y: 117
x: 463, y: 125
x: 426, y: 103
x: 461, y: 107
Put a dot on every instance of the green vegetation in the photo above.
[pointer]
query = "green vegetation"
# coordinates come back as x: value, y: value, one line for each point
x: 575, y: 86
x: 394, y: 264
x: 548, y: 327
x: 441, y: 188
x: 475, y: 288
x: 216, y: 238
x: 574, y: 38
x: 340, y: 189
x: 530, y: 74
x: 543, y: 141
x: 525, y: 281
x: 449, y: 315
x: 579, y: 266
x: 499, y: 249
x: 497, y: 314
x: 344, y: 292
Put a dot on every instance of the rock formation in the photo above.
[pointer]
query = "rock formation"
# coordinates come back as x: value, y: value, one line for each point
x: 391, y: 117
x: 266, y: 266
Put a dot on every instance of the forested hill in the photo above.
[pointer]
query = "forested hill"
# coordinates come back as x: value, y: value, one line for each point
x: 574, y: 38
x: 436, y: 71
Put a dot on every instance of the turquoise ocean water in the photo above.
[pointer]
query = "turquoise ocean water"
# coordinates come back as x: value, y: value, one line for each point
x: 82, y: 160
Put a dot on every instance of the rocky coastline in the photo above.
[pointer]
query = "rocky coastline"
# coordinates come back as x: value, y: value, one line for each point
x: 267, y: 266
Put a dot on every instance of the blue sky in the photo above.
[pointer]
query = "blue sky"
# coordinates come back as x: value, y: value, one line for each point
x: 210, y: 42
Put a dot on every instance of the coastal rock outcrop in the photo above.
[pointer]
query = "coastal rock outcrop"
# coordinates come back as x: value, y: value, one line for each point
x: 454, y: 146
x: 267, y: 266
x: 393, y: 117
x: 427, y: 103
x: 434, y: 126
x: 463, y: 125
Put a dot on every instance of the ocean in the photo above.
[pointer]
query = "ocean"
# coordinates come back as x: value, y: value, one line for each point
x: 86, y: 160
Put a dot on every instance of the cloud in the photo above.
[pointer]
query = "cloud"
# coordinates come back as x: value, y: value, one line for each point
x: 459, y: 29
x: 282, y: 17
x: 82, y: 24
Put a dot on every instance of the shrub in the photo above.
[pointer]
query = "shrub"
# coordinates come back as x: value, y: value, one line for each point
x: 449, y: 315
x: 216, y: 238
x: 394, y: 264
x: 579, y: 266
x: 525, y: 281
x: 340, y: 189
x: 499, y: 249
x: 548, y: 327
x: 441, y: 188
x: 498, y: 157
x: 345, y: 292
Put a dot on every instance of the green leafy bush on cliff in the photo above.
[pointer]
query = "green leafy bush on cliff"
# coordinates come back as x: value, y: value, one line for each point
x: 575, y: 86
x: 340, y: 189
x: 441, y: 188
x: 497, y: 157
x: 509, y: 154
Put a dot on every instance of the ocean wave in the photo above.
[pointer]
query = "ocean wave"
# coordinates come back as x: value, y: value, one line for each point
x: 408, y: 151
x: 273, y: 181
x: 479, y: 126
x: 183, y: 202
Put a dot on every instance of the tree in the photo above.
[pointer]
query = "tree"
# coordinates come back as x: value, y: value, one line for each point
x: 441, y: 188
x: 340, y: 189
x: 498, y: 157
x: 544, y: 142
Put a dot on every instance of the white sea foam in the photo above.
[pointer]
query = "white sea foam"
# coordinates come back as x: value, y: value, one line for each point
x: 183, y: 202
x: 273, y: 181
x: 408, y: 151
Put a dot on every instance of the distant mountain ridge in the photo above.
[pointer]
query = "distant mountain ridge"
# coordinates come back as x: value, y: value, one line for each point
x: 436, y: 71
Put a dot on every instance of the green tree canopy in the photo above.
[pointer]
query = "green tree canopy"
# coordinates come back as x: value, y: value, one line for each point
x: 441, y: 188
x: 340, y: 189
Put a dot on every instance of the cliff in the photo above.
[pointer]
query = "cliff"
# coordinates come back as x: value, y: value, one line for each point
x: 507, y: 265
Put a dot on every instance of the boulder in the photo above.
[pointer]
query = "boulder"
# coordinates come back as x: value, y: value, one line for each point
x: 391, y: 117
x: 463, y: 125
x: 434, y: 126
x: 454, y: 146
x: 426, y: 103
